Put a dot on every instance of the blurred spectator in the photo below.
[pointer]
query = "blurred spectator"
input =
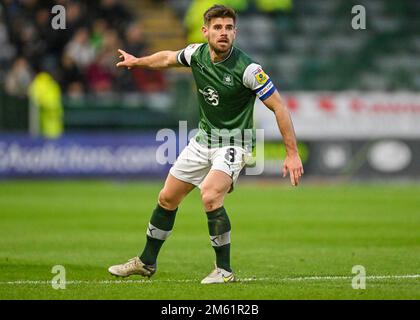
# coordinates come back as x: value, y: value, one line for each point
x: 7, y: 51
x: 109, y: 49
x: 134, y: 40
x: 45, y: 94
x: 30, y: 46
x: 102, y: 71
x: 75, y: 91
x: 18, y: 78
x: 42, y: 24
x: 141, y: 79
x: 115, y: 14
x: 99, y: 76
x: 74, y: 16
x: 72, y: 79
x: 149, y: 80
x: 99, y: 29
x: 82, y: 56
x: 79, y: 49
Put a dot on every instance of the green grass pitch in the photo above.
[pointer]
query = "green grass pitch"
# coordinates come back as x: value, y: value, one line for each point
x: 287, y: 243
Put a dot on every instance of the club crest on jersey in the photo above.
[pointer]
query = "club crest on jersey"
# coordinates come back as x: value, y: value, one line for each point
x: 211, y: 96
x: 260, y: 76
x: 228, y: 79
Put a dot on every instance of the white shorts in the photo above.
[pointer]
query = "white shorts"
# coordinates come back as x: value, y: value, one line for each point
x: 196, y: 161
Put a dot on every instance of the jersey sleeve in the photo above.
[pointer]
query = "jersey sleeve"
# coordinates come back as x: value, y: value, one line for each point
x: 185, y: 55
x: 258, y: 81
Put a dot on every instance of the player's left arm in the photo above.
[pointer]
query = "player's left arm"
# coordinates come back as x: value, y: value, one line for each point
x: 292, y: 163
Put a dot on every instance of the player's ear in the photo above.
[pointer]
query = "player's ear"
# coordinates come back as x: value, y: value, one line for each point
x: 204, y: 31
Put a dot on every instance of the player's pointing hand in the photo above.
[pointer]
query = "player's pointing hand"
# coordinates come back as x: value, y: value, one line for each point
x: 129, y: 60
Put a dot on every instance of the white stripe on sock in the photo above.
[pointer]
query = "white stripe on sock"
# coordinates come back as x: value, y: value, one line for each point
x: 157, y: 233
x: 220, y: 240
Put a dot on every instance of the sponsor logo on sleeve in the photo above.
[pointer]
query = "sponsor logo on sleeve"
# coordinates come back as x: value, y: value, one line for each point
x: 260, y: 76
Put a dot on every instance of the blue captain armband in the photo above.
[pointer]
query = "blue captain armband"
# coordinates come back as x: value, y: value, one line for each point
x: 266, y: 90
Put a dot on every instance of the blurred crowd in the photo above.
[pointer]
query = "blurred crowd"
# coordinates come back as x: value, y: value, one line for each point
x: 82, y: 57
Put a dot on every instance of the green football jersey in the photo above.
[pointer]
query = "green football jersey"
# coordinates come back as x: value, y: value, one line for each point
x: 226, y: 95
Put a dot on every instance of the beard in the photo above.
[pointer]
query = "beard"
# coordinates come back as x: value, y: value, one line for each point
x: 221, y: 48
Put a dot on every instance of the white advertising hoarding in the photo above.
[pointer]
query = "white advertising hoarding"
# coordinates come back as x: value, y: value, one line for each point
x: 346, y: 115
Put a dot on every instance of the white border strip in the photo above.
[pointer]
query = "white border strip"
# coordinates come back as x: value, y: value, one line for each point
x: 255, y: 279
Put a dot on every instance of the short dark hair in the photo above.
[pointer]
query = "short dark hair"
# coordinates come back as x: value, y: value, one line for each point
x: 219, y: 11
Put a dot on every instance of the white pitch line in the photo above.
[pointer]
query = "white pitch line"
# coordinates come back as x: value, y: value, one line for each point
x: 289, y: 279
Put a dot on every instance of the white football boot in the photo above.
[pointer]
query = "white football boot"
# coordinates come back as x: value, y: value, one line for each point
x: 133, y: 266
x: 219, y: 275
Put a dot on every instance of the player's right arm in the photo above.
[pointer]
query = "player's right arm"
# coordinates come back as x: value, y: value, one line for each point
x: 156, y: 61
x: 159, y: 60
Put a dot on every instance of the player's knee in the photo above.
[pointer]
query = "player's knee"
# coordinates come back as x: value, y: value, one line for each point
x: 211, y: 199
x: 167, y: 201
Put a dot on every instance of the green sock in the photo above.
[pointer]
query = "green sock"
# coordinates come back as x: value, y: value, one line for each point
x: 219, y: 230
x: 158, y: 230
